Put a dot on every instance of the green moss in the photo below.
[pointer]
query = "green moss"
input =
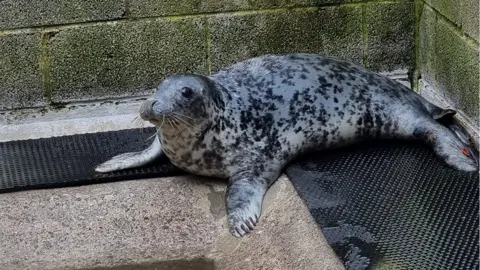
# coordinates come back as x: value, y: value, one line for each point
x: 330, y: 30
x: 124, y: 59
x: 209, y: 45
x: 471, y: 18
x: 26, y: 13
x: 151, y: 8
x: 20, y: 77
x: 427, y: 26
x: 417, y: 62
x: 364, y: 36
x: 325, y: 2
x: 456, y: 66
x: 448, y: 8
x: 449, y: 60
x: 45, y: 67
x: 390, y: 30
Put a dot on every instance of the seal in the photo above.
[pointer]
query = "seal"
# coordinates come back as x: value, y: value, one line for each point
x: 248, y: 121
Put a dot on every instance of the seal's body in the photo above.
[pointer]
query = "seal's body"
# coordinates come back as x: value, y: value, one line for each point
x: 248, y: 121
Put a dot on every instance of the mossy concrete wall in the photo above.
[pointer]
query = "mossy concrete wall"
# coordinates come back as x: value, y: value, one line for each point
x: 448, y: 51
x: 60, y: 51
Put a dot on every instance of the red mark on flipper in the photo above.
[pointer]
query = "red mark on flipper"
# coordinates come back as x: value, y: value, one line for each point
x: 465, y: 151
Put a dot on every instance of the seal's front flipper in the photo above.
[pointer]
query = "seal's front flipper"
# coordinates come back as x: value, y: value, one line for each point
x: 245, y: 193
x: 132, y: 159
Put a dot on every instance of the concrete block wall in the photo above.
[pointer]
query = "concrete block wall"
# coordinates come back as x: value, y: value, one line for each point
x: 58, y: 51
x: 448, y: 51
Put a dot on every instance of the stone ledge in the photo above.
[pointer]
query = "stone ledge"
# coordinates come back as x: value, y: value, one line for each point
x: 167, y: 223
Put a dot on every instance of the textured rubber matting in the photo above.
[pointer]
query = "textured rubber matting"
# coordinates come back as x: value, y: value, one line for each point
x: 385, y: 205
x: 392, y: 205
x: 70, y: 160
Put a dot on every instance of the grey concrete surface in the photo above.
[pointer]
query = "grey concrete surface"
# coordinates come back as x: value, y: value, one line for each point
x: 166, y: 223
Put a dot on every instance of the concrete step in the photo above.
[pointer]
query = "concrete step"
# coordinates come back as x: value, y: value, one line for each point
x: 166, y: 223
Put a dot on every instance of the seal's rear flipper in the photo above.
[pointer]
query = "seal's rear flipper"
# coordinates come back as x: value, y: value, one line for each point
x: 462, y: 134
x: 440, y: 114
x: 132, y: 159
x: 448, y: 145
x: 447, y: 118
x: 436, y: 112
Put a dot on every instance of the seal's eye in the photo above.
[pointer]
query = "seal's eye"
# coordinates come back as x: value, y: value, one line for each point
x: 187, y: 92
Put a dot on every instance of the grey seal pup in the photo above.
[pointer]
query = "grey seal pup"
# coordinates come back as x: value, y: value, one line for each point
x: 248, y: 121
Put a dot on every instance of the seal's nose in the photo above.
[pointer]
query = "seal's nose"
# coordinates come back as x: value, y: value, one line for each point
x: 146, y: 111
x: 150, y: 103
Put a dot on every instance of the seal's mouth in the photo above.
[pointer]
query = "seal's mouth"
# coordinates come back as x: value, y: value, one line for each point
x: 149, y: 112
x: 156, y: 122
x: 159, y: 115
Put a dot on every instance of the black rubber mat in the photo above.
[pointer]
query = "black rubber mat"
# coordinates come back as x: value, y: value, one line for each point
x: 70, y: 160
x: 392, y: 205
x: 385, y: 205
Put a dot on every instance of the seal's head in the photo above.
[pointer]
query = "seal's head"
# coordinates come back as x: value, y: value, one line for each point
x: 179, y: 96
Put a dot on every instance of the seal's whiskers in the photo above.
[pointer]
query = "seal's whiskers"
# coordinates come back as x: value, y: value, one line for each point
x: 160, y: 128
x: 137, y: 121
x: 175, y: 124
x: 163, y: 121
x: 186, y: 122
x: 182, y: 115
x: 155, y: 134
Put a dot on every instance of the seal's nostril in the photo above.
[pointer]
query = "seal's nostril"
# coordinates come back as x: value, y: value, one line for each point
x: 151, y: 103
x: 146, y: 110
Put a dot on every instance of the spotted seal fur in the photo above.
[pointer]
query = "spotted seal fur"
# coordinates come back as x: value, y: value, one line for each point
x: 248, y: 121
